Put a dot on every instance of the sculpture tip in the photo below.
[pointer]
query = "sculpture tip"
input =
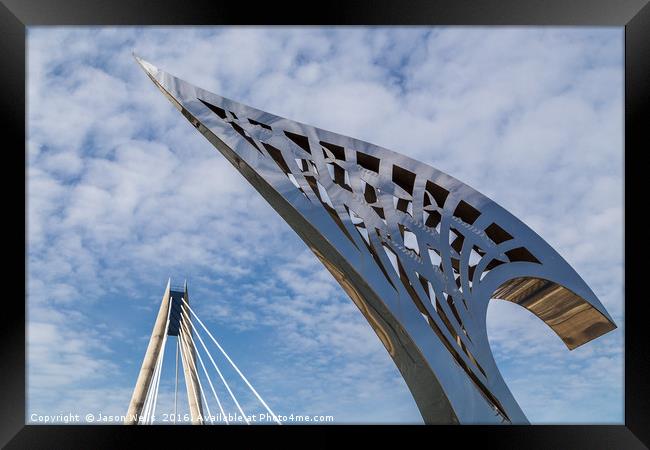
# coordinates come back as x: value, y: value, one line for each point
x: 149, y: 68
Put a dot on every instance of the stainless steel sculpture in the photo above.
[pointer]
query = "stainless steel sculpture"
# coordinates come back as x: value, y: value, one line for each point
x: 420, y: 253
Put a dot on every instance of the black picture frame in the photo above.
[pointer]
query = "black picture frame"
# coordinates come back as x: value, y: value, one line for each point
x: 634, y: 15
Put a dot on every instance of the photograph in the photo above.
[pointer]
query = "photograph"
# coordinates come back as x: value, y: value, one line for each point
x: 384, y: 221
x: 332, y: 280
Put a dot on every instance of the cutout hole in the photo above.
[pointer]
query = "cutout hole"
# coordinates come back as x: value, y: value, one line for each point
x: 435, y: 257
x: 497, y: 234
x: 337, y: 150
x: 466, y: 212
x: 404, y: 179
x: 215, y: 109
x: 521, y: 254
x: 368, y: 162
x: 299, y: 140
x: 438, y: 193
x: 259, y: 124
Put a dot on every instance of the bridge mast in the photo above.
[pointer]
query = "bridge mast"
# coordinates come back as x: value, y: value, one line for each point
x: 189, y: 369
x: 168, y: 322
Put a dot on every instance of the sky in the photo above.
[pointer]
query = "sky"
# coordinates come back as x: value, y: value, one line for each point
x: 123, y: 193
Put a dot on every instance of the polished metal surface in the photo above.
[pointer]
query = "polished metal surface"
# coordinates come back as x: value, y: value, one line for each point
x: 420, y: 253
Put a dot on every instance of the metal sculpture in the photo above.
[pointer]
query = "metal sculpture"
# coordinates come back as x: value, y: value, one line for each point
x: 420, y: 253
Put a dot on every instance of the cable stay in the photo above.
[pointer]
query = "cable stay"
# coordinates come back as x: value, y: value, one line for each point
x: 196, y: 373
x: 178, y: 323
x: 176, y: 382
x: 184, y: 358
x: 275, y: 418
x: 214, y: 392
x: 232, y: 395
x: 152, y: 397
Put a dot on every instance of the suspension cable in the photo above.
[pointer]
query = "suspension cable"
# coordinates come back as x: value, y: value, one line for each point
x: 222, y: 378
x: 150, y: 392
x: 155, y: 397
x: 196, y: 372
x: 151, y: 398
x: 184, y: 359
x: 275, y: 418
x: 214, y: 392
x: 162, y: 357
x: 176, y: 382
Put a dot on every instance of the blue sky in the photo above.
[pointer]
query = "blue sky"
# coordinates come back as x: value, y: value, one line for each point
x: 124, y: 193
